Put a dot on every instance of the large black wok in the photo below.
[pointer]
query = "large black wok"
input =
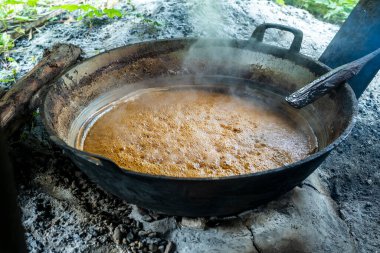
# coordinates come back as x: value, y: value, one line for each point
x: 239, y: 65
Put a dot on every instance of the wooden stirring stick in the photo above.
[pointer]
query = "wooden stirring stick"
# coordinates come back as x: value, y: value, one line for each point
x: 324, y: 84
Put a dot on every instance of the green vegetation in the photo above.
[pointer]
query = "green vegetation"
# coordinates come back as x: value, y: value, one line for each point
x: 13, y: 13
x: 6, y: 42
x: 334, y: 11
x: 17, y: 17
x: 88, y: 12
x: 10, y: 67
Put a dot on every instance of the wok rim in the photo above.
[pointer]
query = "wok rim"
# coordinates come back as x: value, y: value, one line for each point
x: 127, y: 172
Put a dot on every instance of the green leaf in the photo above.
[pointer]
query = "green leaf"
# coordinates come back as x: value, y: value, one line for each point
x: 87, y: 7
x: 66, y: 7
x: 6, y: 42
x: 97, y: 13
x: 20, y: 30
x: 156, y: 23
x: 23, y: 18
x: 8, y: 80
x: 112, y: 13
x: 32, y: 3
x: 6, y: 2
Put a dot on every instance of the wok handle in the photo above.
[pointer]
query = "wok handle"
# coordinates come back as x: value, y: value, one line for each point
x: 258, y: 34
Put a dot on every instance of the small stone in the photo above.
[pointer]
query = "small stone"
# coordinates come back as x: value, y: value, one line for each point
x: 152, y: 247
x: 142, y: 233
x: 153, y: 234
x: 368, y: 205
x: 122, y: 229
x: 161, y: 248
x: 116, y: 235
x: 168, y: 247
x: 130, y: 237
x: 369, y: 181
x: 147, y: 218
x: 199, y: 223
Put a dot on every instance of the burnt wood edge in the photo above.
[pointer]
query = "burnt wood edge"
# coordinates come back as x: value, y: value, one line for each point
x: 17, y: 104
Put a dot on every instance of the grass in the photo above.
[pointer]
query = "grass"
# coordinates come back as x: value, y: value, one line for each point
x: 334, y: 11
x: 88, y: 12
x: 6, y: 42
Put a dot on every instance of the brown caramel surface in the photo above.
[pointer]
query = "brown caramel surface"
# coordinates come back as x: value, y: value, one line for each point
x: 194, y: 133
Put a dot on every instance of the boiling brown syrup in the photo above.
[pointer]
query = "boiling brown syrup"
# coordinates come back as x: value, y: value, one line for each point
x: 195, y: 133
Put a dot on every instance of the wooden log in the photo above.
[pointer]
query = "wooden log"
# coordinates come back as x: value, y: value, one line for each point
x: 16, y: 104
x: 2, y: 91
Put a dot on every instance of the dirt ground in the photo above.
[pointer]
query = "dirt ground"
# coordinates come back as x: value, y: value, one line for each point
x: 64, y: 212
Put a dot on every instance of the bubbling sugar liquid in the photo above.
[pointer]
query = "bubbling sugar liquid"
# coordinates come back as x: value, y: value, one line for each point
x: 199, y: 133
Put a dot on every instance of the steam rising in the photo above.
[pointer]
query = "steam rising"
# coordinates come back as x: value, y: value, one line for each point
x: 210, y: 24
x: 207, y: 15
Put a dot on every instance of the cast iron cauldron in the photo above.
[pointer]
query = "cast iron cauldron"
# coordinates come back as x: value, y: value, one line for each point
x: 244, y: 65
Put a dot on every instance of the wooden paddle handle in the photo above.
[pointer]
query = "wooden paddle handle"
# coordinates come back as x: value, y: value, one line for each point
x: 324, y: 84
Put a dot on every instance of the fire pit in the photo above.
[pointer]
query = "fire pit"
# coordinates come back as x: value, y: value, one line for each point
x: 334, y: 209
x: 240, y: 65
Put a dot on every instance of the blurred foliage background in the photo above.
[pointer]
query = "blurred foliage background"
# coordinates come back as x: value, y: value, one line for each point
x: 334, y: 11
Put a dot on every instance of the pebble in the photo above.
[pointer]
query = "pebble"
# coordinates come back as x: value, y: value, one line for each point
x: 168, y: 247
x: 142, y: 233
x: 147, y: 218
x: 116, y: 235
x: 152, y: 247
x: 199, y: 223
x: 152, y: 234
x: 130, y: 237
